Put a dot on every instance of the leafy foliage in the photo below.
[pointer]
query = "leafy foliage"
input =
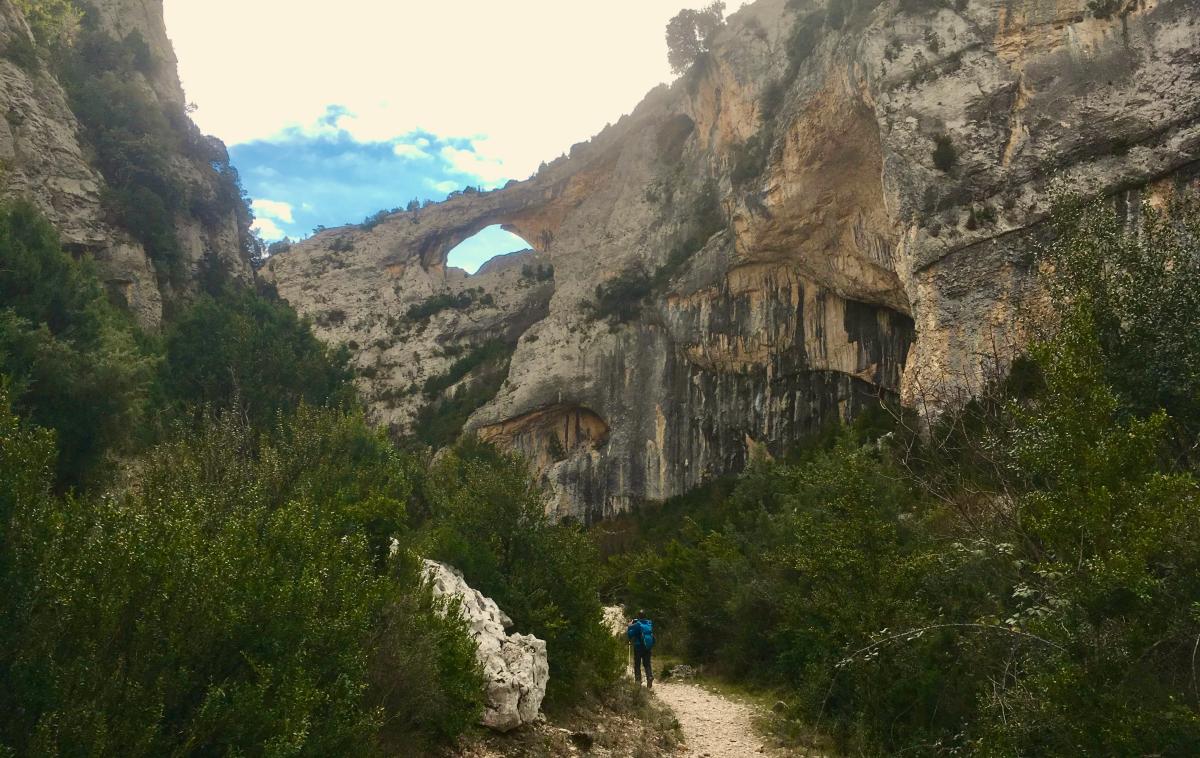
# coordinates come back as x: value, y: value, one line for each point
x: 689, y: 33
x: 1019, y: 579
x: 244, y: 350
x: 1142, y: 294
x: 250, y: 586
x: 74, y: 363
x: 491, y: 351
x: 945, y: 156
x: 487, y: 519
x: 230, y: 604
x: 53, y: 22
x: 802, y: 41
x: 440, y: 421
x: 620, y: 299
x: 141, y: 147
x: 435, y: 304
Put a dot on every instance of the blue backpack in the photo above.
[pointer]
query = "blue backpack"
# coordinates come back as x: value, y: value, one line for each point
x: 641, y: 633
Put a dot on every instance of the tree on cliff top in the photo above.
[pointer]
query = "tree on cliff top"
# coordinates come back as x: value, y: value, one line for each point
x: 688, y: 34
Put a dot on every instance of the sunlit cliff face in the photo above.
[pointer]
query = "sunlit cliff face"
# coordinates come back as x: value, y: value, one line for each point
x: 840, y: 262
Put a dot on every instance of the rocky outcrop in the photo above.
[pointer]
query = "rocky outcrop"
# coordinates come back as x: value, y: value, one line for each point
x: 834, y: 207
x: 44, y: 158
x: 515, y: 666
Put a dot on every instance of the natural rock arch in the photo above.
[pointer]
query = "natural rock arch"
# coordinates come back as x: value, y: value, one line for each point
x: 484, y: 249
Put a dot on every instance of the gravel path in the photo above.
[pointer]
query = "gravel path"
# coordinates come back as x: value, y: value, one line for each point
x: 713, y: 726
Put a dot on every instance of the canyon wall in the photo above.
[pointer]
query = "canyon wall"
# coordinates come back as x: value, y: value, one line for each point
x: 49, y: 158
x: 834, y: 207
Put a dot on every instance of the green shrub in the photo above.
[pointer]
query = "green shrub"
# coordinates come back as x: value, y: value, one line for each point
x: 75, y: 364
x: 689, y: 33
x: 221, y: 605
x: 137, y: 140
x: 487, y: 518
x: 945, y: 156
x: 620, y: 299
x: 1141, y: 291
x: 434, y: 305
x: 134, y: 144
x: 1103, y: 8
x: 23, y: 52
x: 53, y: 22
x: 440, y: 422
x: 1017, y: 578
x: 771, y: 101
x: 243, y: 350
x: 375, y: 219
x: 541, y: 272
x: 490, y: 352
x: 750, y: 158
x: 802, y: 41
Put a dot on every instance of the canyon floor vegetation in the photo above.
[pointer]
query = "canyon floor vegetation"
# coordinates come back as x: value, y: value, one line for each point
x: 1018, y: 578
x: 206, y: 548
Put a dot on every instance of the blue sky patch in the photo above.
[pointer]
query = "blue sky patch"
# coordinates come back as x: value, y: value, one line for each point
x: 487, y: 244
x: 303, y: 178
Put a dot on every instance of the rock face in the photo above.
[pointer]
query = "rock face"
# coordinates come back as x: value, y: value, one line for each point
x: 514, y: 665
x: 836, y: 205
x: 44, y: 158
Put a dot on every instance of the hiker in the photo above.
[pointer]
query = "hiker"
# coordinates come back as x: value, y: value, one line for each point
x: 641, y: 637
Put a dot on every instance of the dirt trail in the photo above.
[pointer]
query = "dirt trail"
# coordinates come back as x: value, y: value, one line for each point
x: 713, y: 726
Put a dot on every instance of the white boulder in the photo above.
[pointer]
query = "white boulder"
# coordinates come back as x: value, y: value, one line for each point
x: 515, y: 666
x: 615, y: 621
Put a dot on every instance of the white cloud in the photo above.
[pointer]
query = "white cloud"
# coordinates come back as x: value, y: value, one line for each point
x: 405, y: 150
x: 489, y: 170
x: 535, y: 76
x: 274, y: 209
x: 446, y: 186
x: 267, y: 229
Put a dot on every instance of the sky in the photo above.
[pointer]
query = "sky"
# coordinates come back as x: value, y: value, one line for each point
x: 333, y: 111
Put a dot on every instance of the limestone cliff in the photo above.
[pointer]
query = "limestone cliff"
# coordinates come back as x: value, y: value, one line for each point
x: 830, y: 207
x: 46, y: 157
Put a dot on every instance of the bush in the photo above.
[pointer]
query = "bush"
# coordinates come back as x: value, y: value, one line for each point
x: 1016, y: 579
x: 137, y: 141
x: 434, y: 305
x: 1103, y: 8
x: 242, y: 350
x: 619, y: 300
x: 802, y: 41
x: 53, y: 22
x: 689, y: 34
x: 375, y: 219
x: 492, y: 351
x: 1141, y: 293
x: 74, y: 362
x: 22, y: 51
x: 750, y: 158
x: 218, y: 607
x: 541, y: 272
x: 945, y: 156
x: 771, y: 101
x: 486, y: 518
x: 440, y: 422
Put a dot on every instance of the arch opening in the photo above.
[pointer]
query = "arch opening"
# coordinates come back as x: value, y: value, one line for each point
x: 475, y: 252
